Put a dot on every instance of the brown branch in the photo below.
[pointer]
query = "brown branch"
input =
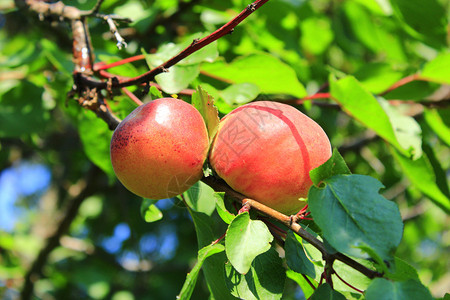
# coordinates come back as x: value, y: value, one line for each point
x: 195, y: 46
x: 113, y: 28
x: 220, y: 186
x: 83, y: 56
x: 61, y: 11
x: 401, y: 82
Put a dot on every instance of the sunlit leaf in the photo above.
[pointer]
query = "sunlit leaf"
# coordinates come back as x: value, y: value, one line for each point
x: 267, y: 72
x: 177, y: 78
x: 438, y: 70
x: 364, y: 107
x: 149, y: 211
x: 438, y: 120
x: 205, y: 105
x: 420, y: 173
x: 245, y: 240
x: 240, y: 93
x: 200, y: 197
x: 226, y: 216
x: 333, y: 166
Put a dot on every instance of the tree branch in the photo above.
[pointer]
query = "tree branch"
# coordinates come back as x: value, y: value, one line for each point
x: 195, y: 46
x: 221, y: 186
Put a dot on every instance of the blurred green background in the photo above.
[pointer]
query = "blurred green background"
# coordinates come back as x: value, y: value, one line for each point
x: 51, y: 150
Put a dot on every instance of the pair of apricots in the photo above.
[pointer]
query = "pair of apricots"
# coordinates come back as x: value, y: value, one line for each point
x: 263, y: 150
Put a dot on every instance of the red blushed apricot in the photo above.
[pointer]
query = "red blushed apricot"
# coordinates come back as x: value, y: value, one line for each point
x: 159, y: 149
x: 265, y: 151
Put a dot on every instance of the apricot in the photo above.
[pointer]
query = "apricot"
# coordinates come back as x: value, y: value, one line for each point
x: 159, y: 149
x: 265, y: 151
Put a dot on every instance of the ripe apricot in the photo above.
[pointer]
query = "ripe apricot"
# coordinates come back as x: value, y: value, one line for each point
x: 159, y: 149
x: 265, y: 151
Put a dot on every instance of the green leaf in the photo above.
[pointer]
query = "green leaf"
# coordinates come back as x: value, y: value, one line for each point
x: 295, y: 255
x: 149, y: 211
x: 359, y: 103
x: 351, y: 213
x: 438, y: 120
x: 266, y: 71
x: 301, y: 281
x: 402, y: 271
x: 377, y: 77
x: 413, y: 91
x: 240, y: 93
x: 381, y: 265
x: 177, y: 78
x: 345, y: 272
x: 22, y: 111
x: 96, y: 137
x: 265, y: 279
x: 204, y: 103
x: 333, y: 166
x: 425, y: 22
x: 373, y: 32
x: 440, y: 173
x: 191, y: 278
x: 316, y: 35
x: 205, y: 236
x: 155, y: 92
x: 420, y: 173
x: 385, y: 289
x: 200, y: 197
x: 325, y: 292
x: 58, y: 58
x: 208, y: 53
x: 406, y: 129
x: 437, y: 70
x: 350, y: 275
x: 224, y: 214
x: 246, y: 239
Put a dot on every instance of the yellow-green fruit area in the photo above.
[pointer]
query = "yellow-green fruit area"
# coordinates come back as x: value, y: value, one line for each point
x: 159, y: 149
x: 265, y: 151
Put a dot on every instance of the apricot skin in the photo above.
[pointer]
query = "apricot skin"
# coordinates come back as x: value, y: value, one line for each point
x: 159, y: 149
x: 265, y: 151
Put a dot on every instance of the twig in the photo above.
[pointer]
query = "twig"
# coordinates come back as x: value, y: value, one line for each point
x: 61, y: 11
x: 401, y: 82
x: 220, y: 186
x: 308, y: 281
x: 108, y: 75
x: 193, y: 47
x: 103, y: 66
x: 112, y: 27
x: 132, y: 96
x: 96, y: 7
